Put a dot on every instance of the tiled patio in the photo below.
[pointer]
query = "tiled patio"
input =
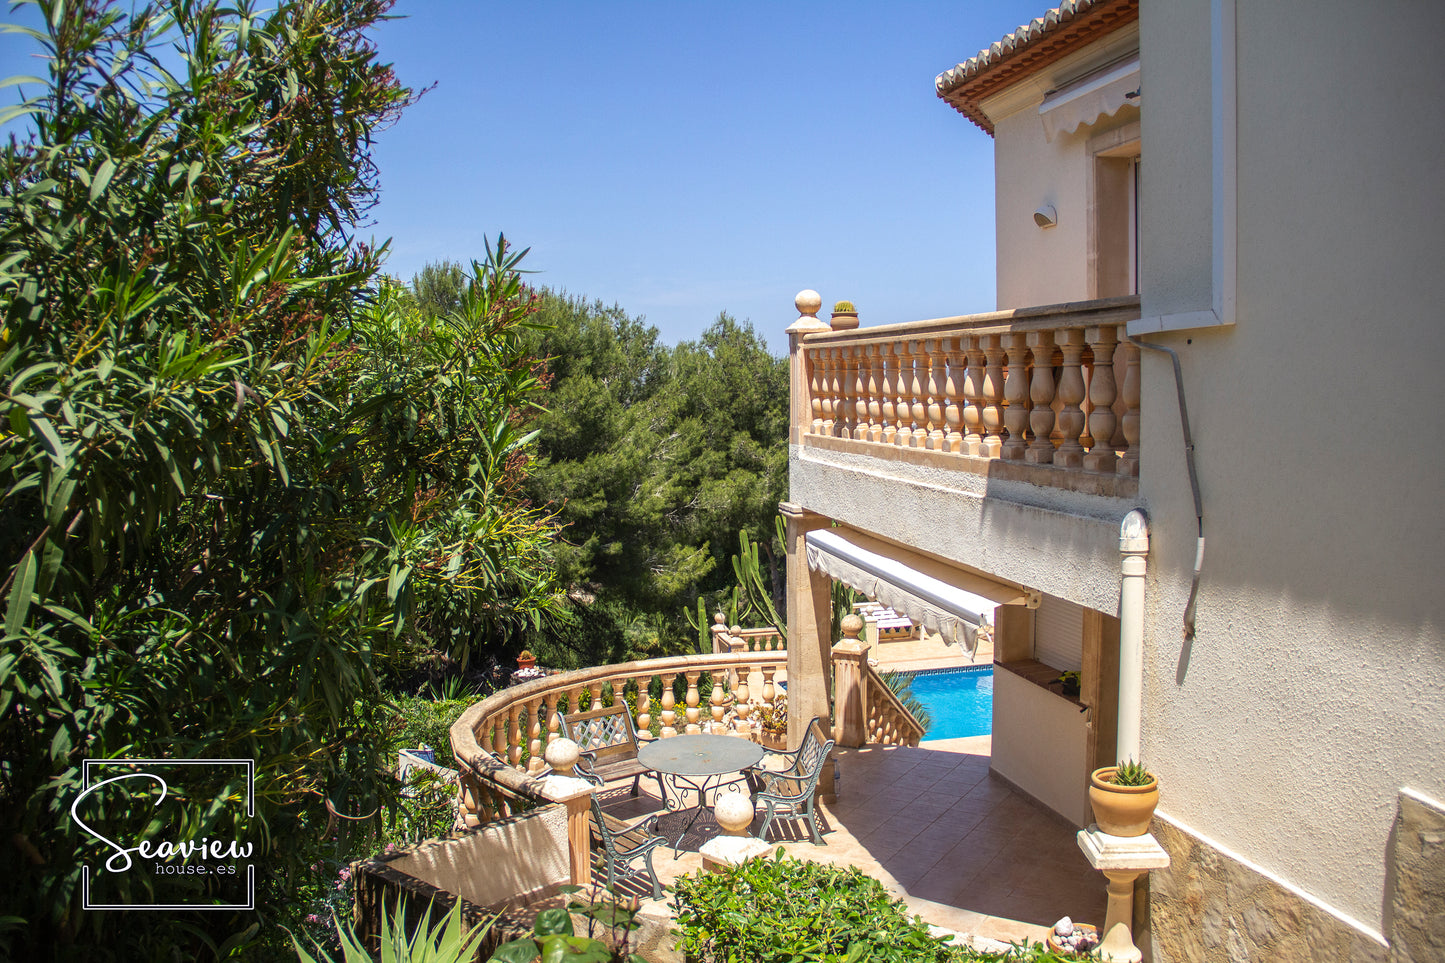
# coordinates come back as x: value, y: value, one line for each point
x: 959, y: 845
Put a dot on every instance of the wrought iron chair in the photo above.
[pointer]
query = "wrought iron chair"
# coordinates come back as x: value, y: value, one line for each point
x: 790, y: 792
x: 608, y: 744
x: 624, y: 842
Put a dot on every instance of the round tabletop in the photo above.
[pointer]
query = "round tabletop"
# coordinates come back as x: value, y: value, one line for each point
x: 704, y: 755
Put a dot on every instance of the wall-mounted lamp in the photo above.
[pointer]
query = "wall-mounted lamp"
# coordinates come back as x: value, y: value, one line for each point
x: 1046, y: 216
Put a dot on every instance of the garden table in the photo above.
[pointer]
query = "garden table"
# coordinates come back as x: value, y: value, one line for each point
x: 697, y: 764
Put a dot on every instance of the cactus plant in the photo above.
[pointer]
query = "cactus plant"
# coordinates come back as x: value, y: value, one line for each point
x: 844, y: 307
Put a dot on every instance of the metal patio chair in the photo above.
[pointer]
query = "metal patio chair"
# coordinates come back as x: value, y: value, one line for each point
x: 790, y: 792
x: 623, y: 843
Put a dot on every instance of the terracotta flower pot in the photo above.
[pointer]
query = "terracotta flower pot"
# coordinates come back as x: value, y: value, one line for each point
x: 1122, y: 810
x: 844, y: 320
x: 526, y: 664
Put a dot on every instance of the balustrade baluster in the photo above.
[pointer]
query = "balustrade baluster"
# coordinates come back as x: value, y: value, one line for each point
x: 554, y: 719
x: 499, y: 736
x: 514, y: 735
x: 669, y: 701
x: 1016, y: 393
x: 740, y: 699
x: 953, y: 394
x: 1041, y: 393
x: 933, y: 352
x: 1070, y: 453
x: 846, y: 394
x: 829, y: 356
x: 888, y: 363
x: 693, y: 713
x: 875, y: 392
x: 718, y: 701
x: 860, y: 393
x: 972, y: 394
x: 1102, y: 393
x: 769, y: 693
x: 815, y: 392
x: 917, y: 407
x: 644, y: 705
x: 992, y: 394
x: 1129, y: 462
x: 534, y: 746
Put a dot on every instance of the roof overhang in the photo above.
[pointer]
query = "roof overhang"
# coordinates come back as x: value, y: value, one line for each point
x: 943, y: 599
x: 1029, y: 49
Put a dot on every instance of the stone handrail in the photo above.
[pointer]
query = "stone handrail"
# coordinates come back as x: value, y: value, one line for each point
x: 499, y: 742
x: 889, y: 721
x: 737, y: 639
x: 1052, y: 390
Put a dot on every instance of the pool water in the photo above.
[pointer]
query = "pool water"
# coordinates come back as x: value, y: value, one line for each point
x: 960, y: 701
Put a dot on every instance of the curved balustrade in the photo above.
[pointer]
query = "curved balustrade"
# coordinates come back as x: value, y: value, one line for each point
x: 1055, y: 387
x: 499, y: 742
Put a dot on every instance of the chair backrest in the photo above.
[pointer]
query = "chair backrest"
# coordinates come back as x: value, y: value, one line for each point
x: 607, y: 733
x: 800, y: 782
x: 813, y: 750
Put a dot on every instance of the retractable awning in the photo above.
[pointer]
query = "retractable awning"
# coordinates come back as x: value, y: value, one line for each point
x: 945, y: 600
x: 1102, y: 94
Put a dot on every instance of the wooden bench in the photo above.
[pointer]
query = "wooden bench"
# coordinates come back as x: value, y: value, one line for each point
x: 608, y: 744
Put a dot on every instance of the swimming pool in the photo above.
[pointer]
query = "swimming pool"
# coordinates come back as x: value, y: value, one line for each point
x: 960, y: 700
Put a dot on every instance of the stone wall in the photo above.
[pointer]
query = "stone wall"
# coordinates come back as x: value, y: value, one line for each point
x: 1209, y: 907
x: 1416, y: 911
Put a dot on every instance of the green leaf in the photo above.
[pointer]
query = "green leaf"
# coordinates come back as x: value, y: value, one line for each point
x: 553, y: 921
x: 516, y: 951
x: 102, y: 178
x: 19, y: 601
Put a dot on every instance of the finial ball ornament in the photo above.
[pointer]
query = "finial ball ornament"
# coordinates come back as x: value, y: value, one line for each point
x: 852, y: 624
x: 734, y: 812
x: 562, y: 755
x: 808, y: 302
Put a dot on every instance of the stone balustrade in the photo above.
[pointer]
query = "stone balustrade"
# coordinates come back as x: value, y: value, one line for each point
x: 499, y: 743
x: 734, y: 638
x: 867, y: 711
x: 1052, y: 390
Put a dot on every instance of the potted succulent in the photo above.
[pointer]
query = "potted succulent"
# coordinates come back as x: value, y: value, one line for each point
x: 526, y: 660
x: 845, y: 316
x: 1069, y: 683
x: 1123, y: 798
x: 773, y: 724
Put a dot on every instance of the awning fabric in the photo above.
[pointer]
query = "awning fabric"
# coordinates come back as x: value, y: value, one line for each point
x: 1101, y: 95
x: 947, y: 601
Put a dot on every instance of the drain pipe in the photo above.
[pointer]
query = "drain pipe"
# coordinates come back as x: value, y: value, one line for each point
x: 1193, y: 480
x: 1134, y: 547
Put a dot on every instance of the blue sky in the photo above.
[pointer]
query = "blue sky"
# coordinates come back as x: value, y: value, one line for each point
x: 685, y: 159
x: 682, y: 159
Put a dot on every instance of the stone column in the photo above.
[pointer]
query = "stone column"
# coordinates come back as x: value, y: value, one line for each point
x: 800, y: 405
x: 576, y: 794
x: 810, y: 617
x: 1122, y: 859
x: 850, y: 694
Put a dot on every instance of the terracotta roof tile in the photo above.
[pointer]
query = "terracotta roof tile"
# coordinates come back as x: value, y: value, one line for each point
x: 1031, y: 47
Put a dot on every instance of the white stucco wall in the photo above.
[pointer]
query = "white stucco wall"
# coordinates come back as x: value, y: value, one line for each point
x: 1039, y: 745
x: 1046, y: 265
x: 1061, y: 543
x: 1315, y: 689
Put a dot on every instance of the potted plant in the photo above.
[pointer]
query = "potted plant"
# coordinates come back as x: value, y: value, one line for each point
x: 773, y: 724
x: 1123, y: 798
x: 526, y: 660
x: 1069, y: 683
x: 845, y: 316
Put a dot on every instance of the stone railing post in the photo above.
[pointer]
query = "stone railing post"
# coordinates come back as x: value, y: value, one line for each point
x: 850, y: 694
x: 564, y: 787
x: 800, y: 375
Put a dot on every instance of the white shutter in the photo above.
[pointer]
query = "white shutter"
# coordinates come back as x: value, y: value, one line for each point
x: 1059, y: 634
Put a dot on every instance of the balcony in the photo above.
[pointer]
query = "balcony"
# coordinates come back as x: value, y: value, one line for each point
x: 1044, y: 395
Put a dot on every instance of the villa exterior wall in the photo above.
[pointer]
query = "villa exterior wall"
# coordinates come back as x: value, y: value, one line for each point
x: 1315, y: 688
x: 1047, y: 265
